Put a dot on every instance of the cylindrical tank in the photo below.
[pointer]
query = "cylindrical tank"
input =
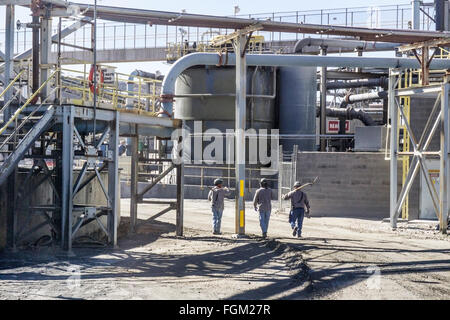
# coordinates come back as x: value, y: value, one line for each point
x: 216, y: 109
x: 297, y: 94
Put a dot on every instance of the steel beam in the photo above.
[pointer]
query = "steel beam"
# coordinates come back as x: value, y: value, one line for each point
x: 323, y: 101
x: 67, y: 178
x: 113, y: 181
x: 394, y: 146
x: 9, y: 49
x: 180, y: 200
x: 241, y: 91
x: 444, y: 173
x: 45, y: 50
x: 134, y: 182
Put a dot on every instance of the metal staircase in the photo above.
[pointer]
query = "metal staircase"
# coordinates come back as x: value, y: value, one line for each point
x: 25, y: 143
x: 20, y: 130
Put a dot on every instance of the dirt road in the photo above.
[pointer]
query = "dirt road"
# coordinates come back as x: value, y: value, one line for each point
x: 336, y: 259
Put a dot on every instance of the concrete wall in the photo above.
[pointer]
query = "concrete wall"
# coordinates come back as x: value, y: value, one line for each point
x: 350, y: 184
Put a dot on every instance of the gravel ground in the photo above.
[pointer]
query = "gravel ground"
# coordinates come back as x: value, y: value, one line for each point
x: 338, y: 258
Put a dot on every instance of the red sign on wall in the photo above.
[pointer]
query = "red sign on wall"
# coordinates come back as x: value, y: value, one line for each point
x: 333, y: 126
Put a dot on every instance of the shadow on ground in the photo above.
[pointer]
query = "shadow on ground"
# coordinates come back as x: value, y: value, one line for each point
x: 279, y: 267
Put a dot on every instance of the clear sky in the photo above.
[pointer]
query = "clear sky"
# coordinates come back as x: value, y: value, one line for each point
x: 217, y: 7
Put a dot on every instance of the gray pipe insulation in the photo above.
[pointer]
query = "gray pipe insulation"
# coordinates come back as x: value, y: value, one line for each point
x: 380, y: 82
x: 274, y: 60
x: 363, y: 97
x: 349, y: 113
x: 344, y: 44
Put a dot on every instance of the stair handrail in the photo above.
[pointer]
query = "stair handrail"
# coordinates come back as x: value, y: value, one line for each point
x: 12, y: 83
x: 27, y: 118
x: 19, y: 111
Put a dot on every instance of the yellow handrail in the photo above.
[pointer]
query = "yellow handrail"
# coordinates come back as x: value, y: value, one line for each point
x: 19, y: 111
x: 12, y: 83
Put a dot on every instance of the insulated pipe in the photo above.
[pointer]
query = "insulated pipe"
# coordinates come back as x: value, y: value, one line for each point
x: 364, y: 97
x: 347, y: 44
x: 381, y: 82
x: 274, y: 60
x: 350, y: 113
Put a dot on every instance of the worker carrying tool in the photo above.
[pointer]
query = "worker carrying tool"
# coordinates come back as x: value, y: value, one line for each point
x: 263, y: 205
x: 299, y: 202
x: 216, y: 196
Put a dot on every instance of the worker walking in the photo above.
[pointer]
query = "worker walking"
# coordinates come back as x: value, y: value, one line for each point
x: 216, y: 196
x: 299, y: 202
x: 263, y: 205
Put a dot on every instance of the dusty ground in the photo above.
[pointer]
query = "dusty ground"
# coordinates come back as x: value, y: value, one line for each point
x: 337, y: 259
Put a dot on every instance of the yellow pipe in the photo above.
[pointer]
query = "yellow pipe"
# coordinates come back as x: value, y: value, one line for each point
x: 18, y: 111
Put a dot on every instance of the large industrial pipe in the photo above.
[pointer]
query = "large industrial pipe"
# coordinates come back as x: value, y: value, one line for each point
x: 363, y: 97
x: 380, y: 82
x: 274, y: 60
x: 349, y: 113
x: 344, y: 44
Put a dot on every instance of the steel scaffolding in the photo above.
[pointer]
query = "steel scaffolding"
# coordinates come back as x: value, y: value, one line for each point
x: 438, y: 116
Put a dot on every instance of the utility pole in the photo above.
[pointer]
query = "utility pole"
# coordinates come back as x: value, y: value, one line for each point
x: 241, y: 105
x: 240, y: 39
x: 94, y: 49
x: 323, y: 101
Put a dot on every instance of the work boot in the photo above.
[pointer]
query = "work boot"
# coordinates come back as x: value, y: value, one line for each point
x: 264, y: 235
x: 299, y: 236
x: 294, y: 233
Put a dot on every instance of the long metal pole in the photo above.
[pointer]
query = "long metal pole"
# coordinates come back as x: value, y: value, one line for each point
x: 445, y: 160
x: 241, y: 91
x: 394, y: 146
x: 323, y: 101
x: 94, y: 48
x: 9, y: 49
x: 415, y: 14
x: 134, y: 181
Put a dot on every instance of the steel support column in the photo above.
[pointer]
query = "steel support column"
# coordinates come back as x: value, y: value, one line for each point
x: 323, y: 102
x: 134, y: 181
x: 9, y: 49
x: 444, y: 172
x: 67, y: 178
x: 415, y: 13
x: 241, y: 91
x: 180, y: 199
x: 46, y: 46
x: 394, y: 146
x: 113, y: 181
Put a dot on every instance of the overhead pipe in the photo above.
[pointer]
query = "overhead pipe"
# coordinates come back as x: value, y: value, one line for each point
x: 380, y: 82
x: 344, y: 44
x: 274, y: 60
x: 353, y: 98
x: 349, y: 113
